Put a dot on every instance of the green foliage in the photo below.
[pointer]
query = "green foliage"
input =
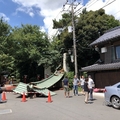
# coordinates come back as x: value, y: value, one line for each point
x: 84, y: 74
x: 31, y: 43
x: 66, y: 19
x: 4, y: 28
x: 90, y: 25
x: 6, y: 62
x: 70, y: 76
x: 23, y: 49
x: 32, y: 49
x: 6, y: 59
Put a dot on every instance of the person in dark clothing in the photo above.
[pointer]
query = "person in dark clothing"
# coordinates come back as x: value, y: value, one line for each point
x: 66, y: 86
x: 1, y: 90
x: 1, y: 93
x: 86, y: 90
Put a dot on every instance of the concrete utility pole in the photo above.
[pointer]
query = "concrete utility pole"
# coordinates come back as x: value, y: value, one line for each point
x: 74, y: 39
x: 72, y: 5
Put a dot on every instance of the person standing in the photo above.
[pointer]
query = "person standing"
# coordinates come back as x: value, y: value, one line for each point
x: 1, y: 93
x: 86, y: 90
x: 11, y: 81
x: 76, y: 82
x: 82, y: 80
x: 30, y: 89
x: 90, y: 85
x: 66, y: 86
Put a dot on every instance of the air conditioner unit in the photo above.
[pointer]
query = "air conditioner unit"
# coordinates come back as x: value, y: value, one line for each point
x: 103, y: 49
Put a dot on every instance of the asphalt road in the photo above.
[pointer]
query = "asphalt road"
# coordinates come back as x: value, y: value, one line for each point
x: 61, y: 108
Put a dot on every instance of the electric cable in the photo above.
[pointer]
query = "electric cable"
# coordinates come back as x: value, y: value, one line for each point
x: 108, y: 4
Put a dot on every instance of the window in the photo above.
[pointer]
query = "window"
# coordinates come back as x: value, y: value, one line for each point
x: 113, y: 53
x: 118, y: 86
x: 117, y: 52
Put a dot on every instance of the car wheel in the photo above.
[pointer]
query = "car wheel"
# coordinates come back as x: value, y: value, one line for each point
x: 115, y: 102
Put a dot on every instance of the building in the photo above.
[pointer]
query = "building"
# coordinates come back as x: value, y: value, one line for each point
x: 106, y: 71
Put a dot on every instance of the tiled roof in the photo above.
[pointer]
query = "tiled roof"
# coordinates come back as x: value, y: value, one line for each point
x: 99, y: 67
x: 109, y: 35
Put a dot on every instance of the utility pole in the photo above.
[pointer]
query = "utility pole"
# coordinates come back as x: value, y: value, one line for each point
x: 72, y: 5
x: 74, y: 39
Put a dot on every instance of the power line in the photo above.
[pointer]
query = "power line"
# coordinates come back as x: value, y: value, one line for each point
x: 56, y: 17
x: 73, y: 6
x: 91, y: 3
x: 108, y: 4
x: 88, y: 4
x: 117, y: 12
x: 51, y: 22
x: 68, y: 9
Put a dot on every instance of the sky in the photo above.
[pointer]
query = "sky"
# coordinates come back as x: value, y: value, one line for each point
x: 42, y: 12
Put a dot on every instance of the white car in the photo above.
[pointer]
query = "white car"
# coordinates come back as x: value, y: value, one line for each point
x: 112, y: 95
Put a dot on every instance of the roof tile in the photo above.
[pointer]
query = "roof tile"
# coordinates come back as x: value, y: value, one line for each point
x: 99, y: 67
x: 111, y: 34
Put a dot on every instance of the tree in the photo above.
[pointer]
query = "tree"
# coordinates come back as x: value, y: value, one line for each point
x: 23, y: 50
x: 31, y: 49
x: 6, y: 60
x: 91, y: 24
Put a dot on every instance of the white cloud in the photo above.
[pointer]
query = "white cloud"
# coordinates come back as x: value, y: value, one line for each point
x: 4, y: 17
x: 42, y: 28
x: 31, y: 14
x: 50, y: 9
x: 111, y: 6
x: 27, y: 10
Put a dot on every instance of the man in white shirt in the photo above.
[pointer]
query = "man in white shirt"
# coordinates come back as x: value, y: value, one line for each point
x: 90, y: 85
x: 76, y: 82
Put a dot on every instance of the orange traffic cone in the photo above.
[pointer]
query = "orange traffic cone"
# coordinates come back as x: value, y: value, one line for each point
x: 23, y: 98
x: 49, y: 98
x: 4, y: 96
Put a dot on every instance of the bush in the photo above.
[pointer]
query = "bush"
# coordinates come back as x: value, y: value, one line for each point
x: 70, y: 76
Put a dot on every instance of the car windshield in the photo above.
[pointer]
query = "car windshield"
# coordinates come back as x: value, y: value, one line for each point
x: 117, y: 85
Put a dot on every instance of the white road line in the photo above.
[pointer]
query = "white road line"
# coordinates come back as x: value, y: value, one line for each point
x: 5, y: 111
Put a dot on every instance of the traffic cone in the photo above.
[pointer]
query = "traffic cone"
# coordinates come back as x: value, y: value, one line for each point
x: 49, y: 98
x: 23, y: 98
x: 4, y: 96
